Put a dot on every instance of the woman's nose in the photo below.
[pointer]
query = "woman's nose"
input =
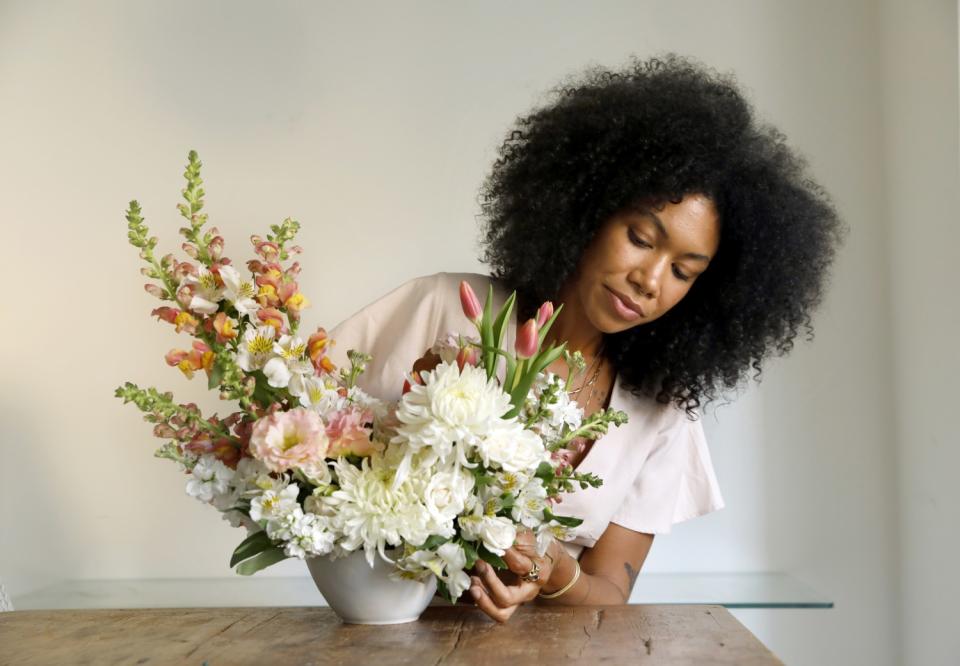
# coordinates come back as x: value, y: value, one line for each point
x: 648, y: 277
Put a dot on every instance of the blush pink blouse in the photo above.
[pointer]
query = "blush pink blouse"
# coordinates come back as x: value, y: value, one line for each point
x: 656, y: 468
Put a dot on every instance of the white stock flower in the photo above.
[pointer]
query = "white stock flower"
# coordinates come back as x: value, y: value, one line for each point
x: 209, y: 478
x: 256, y: 348
x: 308, y: 534
x: 273, y: 504
x: 239, y: 291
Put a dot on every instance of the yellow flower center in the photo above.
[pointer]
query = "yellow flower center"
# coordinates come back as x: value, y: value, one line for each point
x: 260, y: 345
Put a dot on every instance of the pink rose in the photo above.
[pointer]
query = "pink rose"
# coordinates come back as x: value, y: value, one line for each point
x: 284, y: 440
x: 348, y: 432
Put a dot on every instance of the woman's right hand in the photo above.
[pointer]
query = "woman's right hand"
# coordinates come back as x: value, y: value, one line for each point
x: 428, y: 361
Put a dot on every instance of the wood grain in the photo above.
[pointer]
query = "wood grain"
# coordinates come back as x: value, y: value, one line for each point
x: 654, y: 634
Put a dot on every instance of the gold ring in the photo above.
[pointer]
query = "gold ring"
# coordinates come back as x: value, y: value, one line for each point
x: 533, y: 575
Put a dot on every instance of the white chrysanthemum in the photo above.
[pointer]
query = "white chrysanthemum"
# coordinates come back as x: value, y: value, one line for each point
x: 513, y: 448
x: 239, y: 291
x: 371, y: 513
x: 449, y: 414
x: 256, y: 349
x: 207, y: 295
x: 210, y: 478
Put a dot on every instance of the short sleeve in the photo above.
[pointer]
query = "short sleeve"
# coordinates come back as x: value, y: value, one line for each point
x: 676, y: 482
x: 396, y: 329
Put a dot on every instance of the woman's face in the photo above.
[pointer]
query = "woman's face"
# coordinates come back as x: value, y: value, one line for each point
x: 642, y: 262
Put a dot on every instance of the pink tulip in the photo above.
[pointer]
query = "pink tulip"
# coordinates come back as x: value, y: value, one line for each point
x: 470, y: 303
x: 528, y: 339
x: 544, y: 314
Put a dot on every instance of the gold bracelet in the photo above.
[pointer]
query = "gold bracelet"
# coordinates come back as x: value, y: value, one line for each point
x: 576, y: 575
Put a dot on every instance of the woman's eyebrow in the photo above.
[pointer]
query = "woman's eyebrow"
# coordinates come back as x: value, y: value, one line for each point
x: 663, y: 230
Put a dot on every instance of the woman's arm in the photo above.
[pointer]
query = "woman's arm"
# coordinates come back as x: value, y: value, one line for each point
x: 608, y: 570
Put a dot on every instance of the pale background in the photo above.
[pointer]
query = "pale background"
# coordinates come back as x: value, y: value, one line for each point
x: 374, y: 125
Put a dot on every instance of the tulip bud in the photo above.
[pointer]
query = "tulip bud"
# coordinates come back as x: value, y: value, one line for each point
x: 527, y: 339
x: 468, y: 356
x: 544, y: 314
x: 470, y: 303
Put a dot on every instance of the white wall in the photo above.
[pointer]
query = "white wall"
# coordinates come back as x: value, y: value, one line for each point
x: 922, y: 147
x: 374, y: 125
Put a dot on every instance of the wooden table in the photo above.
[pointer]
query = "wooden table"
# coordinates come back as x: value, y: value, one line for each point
x: 646, y: 634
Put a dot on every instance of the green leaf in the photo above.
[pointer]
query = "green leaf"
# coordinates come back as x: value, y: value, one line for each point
x: 486, y: 333
x: 508, y: 501
x: 433, y: 542
x: 252, y: 545
x: 262, y: 560
x: 500, y: 325
x: 470, y: 551
x: 567, y: 521
x: 216, y: 375
x: 545, y: 471
x: 444, y: 591
x: 491, y: 558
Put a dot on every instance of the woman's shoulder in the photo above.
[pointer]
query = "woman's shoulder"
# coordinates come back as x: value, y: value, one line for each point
x: 644, y: 407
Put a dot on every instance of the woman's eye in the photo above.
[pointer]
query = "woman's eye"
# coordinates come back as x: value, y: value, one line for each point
x: 636, y: 240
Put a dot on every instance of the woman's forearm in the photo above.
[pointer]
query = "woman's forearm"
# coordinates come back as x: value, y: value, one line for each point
x: 589, y: 590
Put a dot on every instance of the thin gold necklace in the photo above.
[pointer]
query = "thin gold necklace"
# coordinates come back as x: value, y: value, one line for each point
x: 596, y: 366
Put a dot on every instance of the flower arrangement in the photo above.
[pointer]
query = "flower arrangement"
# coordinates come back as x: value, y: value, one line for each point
x: 311, y: 465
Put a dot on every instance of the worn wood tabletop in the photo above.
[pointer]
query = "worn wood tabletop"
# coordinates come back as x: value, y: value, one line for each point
x: 462, y: 634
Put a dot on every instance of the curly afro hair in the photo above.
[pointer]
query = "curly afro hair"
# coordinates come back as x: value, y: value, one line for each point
x: 653, y: 132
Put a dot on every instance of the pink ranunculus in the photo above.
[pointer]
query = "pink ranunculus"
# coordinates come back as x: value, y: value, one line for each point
x: 348, y: 432
x: 284, y: 440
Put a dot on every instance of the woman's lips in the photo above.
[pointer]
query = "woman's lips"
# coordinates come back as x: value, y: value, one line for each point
x: 622, y: 306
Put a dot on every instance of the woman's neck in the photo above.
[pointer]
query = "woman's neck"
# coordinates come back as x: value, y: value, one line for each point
x: 573, y: 327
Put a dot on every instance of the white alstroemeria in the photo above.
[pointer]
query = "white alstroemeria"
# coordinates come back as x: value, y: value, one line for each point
x: 530, y: 503
x: 207, y: 295
x: 445, y: 496
x: 448, y: 415
x: 320, y: 394
x: 272, y: 503
x: 239, y: 291
x: 454, y: 560
x: 256, y: 349
x: 277, y: 372
x: 513, y: 448
x: 552, y: 531
x: 496, y: 532
x: 209, y: 478
x: 308, y: 534
x: 508, y: 482
x: 290, y: 365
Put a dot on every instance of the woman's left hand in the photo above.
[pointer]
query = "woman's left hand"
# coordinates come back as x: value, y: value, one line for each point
x: 499, y: 599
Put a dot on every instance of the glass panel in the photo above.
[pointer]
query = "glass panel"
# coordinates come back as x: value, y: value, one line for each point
x: 733, y: 590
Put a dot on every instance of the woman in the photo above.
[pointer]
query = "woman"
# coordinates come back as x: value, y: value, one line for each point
x: 686, y: 244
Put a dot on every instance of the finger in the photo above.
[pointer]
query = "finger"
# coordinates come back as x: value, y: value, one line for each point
x: 517, y: 562
x: 501, y: 594
x: 485, y: 603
